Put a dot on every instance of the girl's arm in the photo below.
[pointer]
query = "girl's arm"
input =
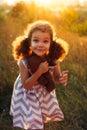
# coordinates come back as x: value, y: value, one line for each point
x: 27, y: 81
x: 56, y: 72
x: 60, y: 77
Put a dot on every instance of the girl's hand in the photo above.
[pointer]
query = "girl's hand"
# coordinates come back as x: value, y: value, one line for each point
x: 63, y: 78
x: 43, y: 67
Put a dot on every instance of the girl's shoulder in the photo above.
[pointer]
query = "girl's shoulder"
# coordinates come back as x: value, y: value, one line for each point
x: 23, y: 61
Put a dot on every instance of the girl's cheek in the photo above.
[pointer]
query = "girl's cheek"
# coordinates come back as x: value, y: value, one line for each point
x: 33, y: 44
x: 48, y: 46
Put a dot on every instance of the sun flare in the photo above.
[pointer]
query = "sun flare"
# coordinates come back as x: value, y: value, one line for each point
x: 46, y: 3
x: 38, y: 2
x: 43, y: 2
x: 81, y: 1
x: 10, y: 2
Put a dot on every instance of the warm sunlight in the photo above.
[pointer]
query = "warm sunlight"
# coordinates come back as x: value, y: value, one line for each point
x: 81, y: 1
x: 49, y: 3
x: 44, y: 2
x: 10, y: 2
x: 38, y: 2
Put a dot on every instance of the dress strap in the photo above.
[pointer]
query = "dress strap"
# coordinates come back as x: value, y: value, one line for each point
x: 23, y: 61
x: 25, y: 65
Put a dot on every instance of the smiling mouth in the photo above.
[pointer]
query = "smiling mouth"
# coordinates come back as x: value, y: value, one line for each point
x: 41, y: 50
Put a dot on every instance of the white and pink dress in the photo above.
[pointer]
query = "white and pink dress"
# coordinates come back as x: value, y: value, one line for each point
x: 31, y: 108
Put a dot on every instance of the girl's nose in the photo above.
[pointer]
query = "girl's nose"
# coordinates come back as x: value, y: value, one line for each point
x: 40, y: 44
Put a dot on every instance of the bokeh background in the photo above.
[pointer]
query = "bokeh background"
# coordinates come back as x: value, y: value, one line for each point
x: 70, y: 21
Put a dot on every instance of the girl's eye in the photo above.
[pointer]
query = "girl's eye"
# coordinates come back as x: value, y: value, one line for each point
x: 46, y: 41
x: 35, y: 40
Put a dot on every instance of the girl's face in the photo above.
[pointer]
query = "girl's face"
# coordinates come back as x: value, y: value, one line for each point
x: 40, y: 42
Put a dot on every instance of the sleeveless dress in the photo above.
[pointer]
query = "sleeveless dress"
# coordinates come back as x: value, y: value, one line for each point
x: 31, y: 108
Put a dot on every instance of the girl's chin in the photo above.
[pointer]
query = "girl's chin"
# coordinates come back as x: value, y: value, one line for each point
x: 40, y: 54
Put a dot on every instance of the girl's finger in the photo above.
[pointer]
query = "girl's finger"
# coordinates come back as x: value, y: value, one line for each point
x: 65, y: 72
x: 65, y: 84
x: 51, y: 68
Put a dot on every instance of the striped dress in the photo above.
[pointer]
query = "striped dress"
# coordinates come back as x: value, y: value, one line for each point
x: 34, y: 107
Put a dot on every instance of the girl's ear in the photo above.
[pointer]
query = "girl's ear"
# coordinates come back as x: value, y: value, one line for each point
x: 47, y: 52
x: 30, y: 50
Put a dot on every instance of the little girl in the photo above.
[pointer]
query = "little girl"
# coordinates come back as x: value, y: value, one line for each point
x: 32, y: 105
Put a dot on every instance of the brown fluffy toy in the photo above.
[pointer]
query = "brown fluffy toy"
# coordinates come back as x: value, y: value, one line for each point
x: 56, y: 52
x: 46, y: 78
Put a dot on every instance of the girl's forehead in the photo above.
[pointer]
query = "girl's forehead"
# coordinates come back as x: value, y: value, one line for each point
x: 41, y: 33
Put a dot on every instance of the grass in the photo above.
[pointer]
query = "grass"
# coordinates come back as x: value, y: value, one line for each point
x: 72, y: 99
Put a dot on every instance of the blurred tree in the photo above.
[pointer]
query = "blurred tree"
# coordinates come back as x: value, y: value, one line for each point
x: 24, y: 13
x: 69, y: 16
x: 2, y: 14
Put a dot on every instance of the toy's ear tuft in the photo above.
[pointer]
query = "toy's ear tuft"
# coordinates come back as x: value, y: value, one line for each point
x: 65, y: 48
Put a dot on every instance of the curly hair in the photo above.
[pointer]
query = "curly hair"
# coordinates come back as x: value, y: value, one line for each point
x: 22, y: 44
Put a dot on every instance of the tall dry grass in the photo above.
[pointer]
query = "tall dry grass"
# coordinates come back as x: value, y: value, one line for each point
x: 72, y: 99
